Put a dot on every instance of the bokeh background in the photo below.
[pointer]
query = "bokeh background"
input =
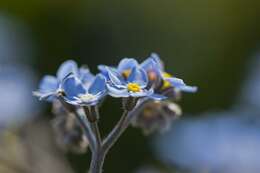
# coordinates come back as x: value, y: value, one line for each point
x: 211, y: 44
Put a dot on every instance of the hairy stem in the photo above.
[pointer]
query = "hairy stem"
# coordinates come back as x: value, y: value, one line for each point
x: 94, y: 113
x: 98, y: 156
x: 87, y: 129
x: 97, y: 135
x: 97, y: 162
x: 116, y: 132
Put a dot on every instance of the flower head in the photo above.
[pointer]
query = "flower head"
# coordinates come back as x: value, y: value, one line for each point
x: 50, y: 86
x: 163, y: 83
x: 77, y: 93
x: 133, y: 84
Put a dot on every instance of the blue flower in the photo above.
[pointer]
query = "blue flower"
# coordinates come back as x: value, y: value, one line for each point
x: 122, y: 72
x: 50, y: 86
x: 77, y: 93
x: 156, y: 72
x: 133, y: 84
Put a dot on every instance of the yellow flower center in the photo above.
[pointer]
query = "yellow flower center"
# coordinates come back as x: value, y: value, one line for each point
x: 126, y: 73
x: 134, y: 87
x: 166, y: 84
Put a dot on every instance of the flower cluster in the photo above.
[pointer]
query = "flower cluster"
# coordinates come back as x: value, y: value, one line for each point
x: 147, y: 90
x: 130, y: 80
x: 78, y: 86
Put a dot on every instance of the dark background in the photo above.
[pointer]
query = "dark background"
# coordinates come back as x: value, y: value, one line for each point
x: 207, y: 43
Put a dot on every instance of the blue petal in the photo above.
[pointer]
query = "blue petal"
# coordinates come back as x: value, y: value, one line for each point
x: 155, y: 57
x: 179, y: 84
x: 176, y: 82
x: 66, y: 68
x: 138, y: 75
x: 115, y: 92
x: 115, y: 77
x: 49, y: 96
x: 48, y: 84
x: 47, y: 89
x: 102, y: 68
x: 190, y: 89
x: 158, y: 97
x: 90, y: 103
x: 72, y: 87
x: 143, y: 93
x: 148, y: 64
x: 85, y: 75
x: 127, y: 64
x: 72, y: 101
x: 98, y: 86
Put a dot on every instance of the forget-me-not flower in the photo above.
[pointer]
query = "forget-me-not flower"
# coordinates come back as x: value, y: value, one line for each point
x: 79, y: 94
x: 133, y: 84
x: 50, y: 86
x: 156, y: 72
x: 123, y: 72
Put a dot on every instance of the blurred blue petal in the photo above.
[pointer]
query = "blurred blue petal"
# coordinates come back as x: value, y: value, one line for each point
x: 179, y: 84
x: 158, y: 97
x: 155, y: 57
x: 176, y: 82
x: 115, y: 77
x: 66, y: 68
x: 143, y: 93
x: 48, y: 84
x: 98, y: 86
x: 147, y: 64
x: 104, y: 70
x: 127, y: 64
x: 73, y: 87
x: 138, y: 76
x: 85, y: 75
x: 191, y: 89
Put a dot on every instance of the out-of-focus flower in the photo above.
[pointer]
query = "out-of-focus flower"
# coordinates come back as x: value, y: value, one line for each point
x: 226, y: 142
x: 32, y: 142
x: 76, y: 93
x: 50, y: 86
x: 164, y: 83
x: 16, y: 104
x: 70, y: 135
x: 148, y: 169
x: 157, y: 115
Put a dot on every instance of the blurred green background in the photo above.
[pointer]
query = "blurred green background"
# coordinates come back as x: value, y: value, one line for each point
x: 207, y: 43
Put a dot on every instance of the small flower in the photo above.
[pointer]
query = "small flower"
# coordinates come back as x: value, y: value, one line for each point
x: 157, y: 115
x: 50, y: 86
x: 127, y: 79
x: 163, y: 83
x: 77, y: 93
x: 132, y: 85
